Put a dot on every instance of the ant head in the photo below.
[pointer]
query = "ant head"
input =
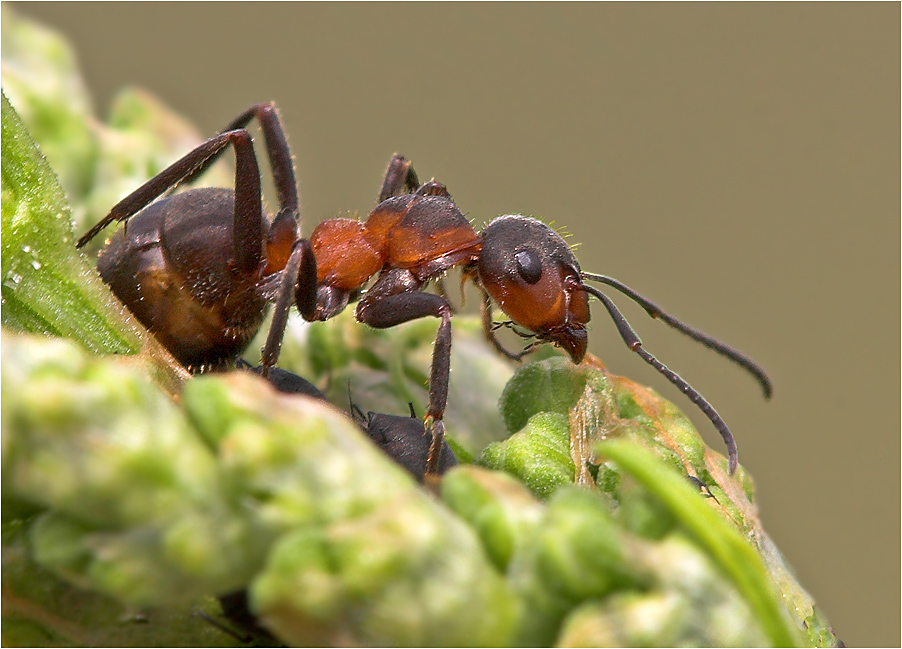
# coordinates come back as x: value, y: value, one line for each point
x: 530, y: 272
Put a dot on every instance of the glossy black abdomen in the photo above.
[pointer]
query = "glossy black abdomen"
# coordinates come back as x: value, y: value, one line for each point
x: 171, y: 266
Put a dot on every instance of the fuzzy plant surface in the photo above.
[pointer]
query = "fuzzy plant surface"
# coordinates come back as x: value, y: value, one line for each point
x: 586, y: 510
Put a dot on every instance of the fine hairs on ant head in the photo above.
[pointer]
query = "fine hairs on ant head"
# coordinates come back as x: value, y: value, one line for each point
x: 198, y: 268
x: 532, y: 274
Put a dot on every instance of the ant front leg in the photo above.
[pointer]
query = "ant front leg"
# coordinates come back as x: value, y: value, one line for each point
x: 382, y: 308
x: 488, y: 328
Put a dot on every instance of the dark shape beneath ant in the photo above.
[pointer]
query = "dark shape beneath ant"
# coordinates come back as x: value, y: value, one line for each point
x: 399, y: 437
x: 203, y: 255
x: 402, y: 439
x: 284, y: 381
x: 236, y: 609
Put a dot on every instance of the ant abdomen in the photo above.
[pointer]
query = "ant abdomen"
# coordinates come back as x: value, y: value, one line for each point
x: 166, y: 266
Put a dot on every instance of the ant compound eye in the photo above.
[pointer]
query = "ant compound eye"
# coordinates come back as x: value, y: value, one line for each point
x: 529, y: 266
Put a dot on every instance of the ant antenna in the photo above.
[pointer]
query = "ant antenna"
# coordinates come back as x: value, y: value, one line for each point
x: 245, y: 639
x: 355, y: 410
x: 708, y: 341
x: 632, y: 341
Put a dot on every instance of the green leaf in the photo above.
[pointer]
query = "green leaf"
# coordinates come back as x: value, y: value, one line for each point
x: 406, y: 574
x: 48, y: 287
x: 156, y: 504
x: 735, y: 556
x: 41, y: 77
x: 497, y: 507
x: 539, y: 455
x: 40, y: 609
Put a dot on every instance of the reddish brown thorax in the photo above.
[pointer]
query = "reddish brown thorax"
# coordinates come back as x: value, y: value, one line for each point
x: 346, y: 256
x: 426, y: 234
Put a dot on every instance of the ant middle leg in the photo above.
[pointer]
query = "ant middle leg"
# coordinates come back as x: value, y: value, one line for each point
x: 387, y: 310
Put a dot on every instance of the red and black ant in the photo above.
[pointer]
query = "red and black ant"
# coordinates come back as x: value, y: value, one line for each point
x: 198, y: 268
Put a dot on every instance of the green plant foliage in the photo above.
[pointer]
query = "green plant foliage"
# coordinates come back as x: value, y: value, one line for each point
x: 602, y: 406
x: 384, y: 370
x: 734, y: 555
x: 539, y: 455
x: 47, y: 286
x: 41, y: 77
x: 134, y: 497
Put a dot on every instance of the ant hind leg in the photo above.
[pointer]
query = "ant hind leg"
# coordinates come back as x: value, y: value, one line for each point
x: 400, y: 178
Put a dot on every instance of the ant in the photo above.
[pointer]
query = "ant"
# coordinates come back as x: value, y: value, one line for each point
x: 198, y: 269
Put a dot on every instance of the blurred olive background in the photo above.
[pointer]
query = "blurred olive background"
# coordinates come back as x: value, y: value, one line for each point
x: 737, y: 163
